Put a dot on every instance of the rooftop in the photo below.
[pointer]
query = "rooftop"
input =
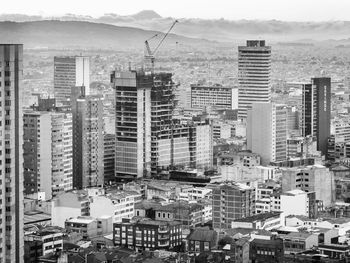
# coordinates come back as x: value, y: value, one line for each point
x: 203, y: 235
x: 258, y: 217
x: 81, y: 220
x: 32, y: 217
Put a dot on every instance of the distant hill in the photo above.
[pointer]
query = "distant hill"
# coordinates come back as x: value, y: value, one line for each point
x: 80, y: 34
x: 221, y: 30
x: 146, y: 15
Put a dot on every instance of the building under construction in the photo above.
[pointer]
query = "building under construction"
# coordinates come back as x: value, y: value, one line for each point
x: 148, y: 140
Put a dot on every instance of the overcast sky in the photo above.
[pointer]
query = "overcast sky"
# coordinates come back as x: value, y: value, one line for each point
x: 292, y: 10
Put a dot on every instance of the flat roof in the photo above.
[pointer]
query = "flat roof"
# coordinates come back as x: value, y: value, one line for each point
x: 82, y: 220
x: 33, y: 217
x: 262, y: 216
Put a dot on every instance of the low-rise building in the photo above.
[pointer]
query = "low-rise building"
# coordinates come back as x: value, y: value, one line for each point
x: 88, y: 226
x: 42, y: 242
x: 118, y: 205
x: 262, y: 250
x: 201, y: 240
x: 265, y: 221
x: 147, y: 234
x: 298, y: 242
x: 70, y: 204
x: 296, y: 202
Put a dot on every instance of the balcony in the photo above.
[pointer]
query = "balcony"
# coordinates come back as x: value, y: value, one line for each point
x: 163, y: 230
x: 163, y: 243
x: 163, y: 237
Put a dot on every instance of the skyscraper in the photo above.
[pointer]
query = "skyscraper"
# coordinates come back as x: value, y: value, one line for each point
x: 37, y: 154
x: 267, y: 131
x: 11, y: 153
x: 316, y: 112
x: 133, y: 123
x: 70, y: 72
x: 254, y: 67
x: 148, y: 139
x: 47, y: 152
x: 87, y: 112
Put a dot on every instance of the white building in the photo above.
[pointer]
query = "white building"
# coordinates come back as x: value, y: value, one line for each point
x: 215, y: 95
x: 47, y: 153
x: 295, y: 202
x: 117, y: 205
x: 270, y: 121
x: 67, y: 205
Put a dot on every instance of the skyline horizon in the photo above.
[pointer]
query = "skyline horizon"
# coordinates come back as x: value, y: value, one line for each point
x: 296, y: 11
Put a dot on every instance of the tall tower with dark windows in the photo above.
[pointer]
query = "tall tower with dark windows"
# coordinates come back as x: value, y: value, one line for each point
x: 316, y: 118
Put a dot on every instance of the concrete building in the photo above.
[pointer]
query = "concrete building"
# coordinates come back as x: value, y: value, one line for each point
x: 148, y: 140
x: 11, y: 153
x: 62, y: 152
x: 340, y: 128
x: 295, y: 202
x: 70, y: 72
x: 266, y: 221
x: 262, y: 250
x: 133, y: 120
x: 147, y: 234
x: 37, y: 154
x: 298, y: 242
x: 222, y: 130
x: 216, y: 95
x: 117, y: 205
x: 316, y: 114
x: 43, y: 242
x: 89, y: 226
x: 314, y: 178
x: 47, y: 153
x: 67, y: 205
x: 231, y: 201
x: 109, y: 157
x: 202, y: 240
x: 270, y: 120
x: 244, y: 158
x: 254, y: 68
x: 88, y: 143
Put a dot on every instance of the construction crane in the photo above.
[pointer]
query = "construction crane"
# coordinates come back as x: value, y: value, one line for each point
x: 149, y: 54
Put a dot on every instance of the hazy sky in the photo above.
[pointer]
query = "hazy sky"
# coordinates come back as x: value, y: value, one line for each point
x: 297, y: 10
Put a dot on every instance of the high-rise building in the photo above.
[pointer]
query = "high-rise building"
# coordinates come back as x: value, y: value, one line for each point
x: 11, y: 153
x: 48, y: 150
x: 87, y: 112
x: 316, y: 115
x: 148, y: 139
x: 37, y: 154
x: 216, y: 95
x: 70, y: 72
x: 230, y: 202
x: 109, y: 158
x: 267, y: 131
x: 254, y: 67
x: 133, y: 123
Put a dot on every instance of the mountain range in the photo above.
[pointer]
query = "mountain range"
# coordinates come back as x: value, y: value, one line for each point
x: 82, y: 34
x: 116, y: 31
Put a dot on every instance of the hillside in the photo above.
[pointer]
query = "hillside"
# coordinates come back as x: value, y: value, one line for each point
x: 80, y: 34
x: 221, y: 30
